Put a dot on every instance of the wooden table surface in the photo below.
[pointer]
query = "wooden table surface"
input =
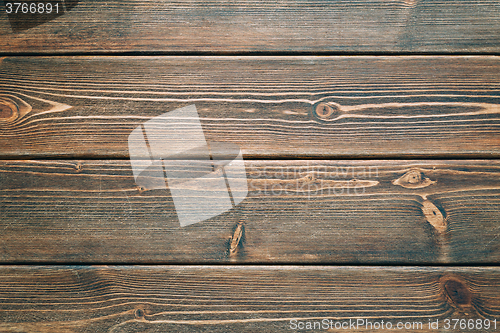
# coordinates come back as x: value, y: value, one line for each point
x: 370, y: 133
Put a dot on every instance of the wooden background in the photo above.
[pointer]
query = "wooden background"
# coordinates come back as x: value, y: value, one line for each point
x: 438, y: 26
x: 370, y: 132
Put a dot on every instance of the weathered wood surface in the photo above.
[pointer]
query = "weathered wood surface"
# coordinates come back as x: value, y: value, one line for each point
x: 85, y: 107
x: 264, y: 26
x: 295, y: 212
x: 241, y: 299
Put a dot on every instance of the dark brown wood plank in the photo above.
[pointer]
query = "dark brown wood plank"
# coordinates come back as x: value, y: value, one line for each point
x: 295, y: 212
x: 86, y: 107
x: 264, y: 26
x: 243, y: 299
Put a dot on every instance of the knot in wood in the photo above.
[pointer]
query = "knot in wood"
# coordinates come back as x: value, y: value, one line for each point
x: 413, y: 179
x: 8, y: 110
x: 324, y: 111
x: 434, y: 215
x: 309, y: 178
x: 139, y: 314
x: 456, y: 292
x: 236, y: 239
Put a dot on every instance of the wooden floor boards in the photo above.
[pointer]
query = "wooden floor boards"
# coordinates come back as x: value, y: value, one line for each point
x: 370, y: 135
x: 402, y: 212
x: 265, y: 26
x: 243, y: 299
x: 415, y: 106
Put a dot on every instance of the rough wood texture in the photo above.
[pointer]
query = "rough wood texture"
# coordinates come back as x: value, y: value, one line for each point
x: 303, y: 211
x: 296, y: 211
x: 232, y: 26
x: 240, y: 299
x: 86, y: 107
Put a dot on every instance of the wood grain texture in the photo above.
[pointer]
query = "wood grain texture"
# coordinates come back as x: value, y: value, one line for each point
x: 84, y: 209
x: 264, y: 26
x: 239, y: 299
x: 416, y: 212
x: 86, y: 107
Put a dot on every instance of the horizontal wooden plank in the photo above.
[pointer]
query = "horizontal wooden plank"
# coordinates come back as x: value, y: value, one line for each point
x: 247, y: 299
x: 295, y: 211
x: 86, y: 107
x: 240, y: 26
